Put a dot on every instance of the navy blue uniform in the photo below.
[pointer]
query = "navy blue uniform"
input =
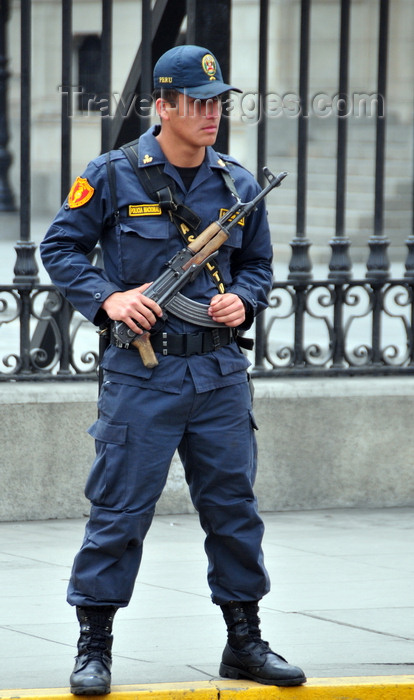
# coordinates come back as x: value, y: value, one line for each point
x: 199, y: 405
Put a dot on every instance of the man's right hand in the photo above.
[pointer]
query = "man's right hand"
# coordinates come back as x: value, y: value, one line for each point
x: 132, y: 306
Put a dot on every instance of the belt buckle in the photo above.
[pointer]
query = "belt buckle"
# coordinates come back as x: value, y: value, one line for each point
x: 164, y: 349
x: 193, y: 344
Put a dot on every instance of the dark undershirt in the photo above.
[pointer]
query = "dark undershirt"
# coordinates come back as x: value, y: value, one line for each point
x: 187, y: 175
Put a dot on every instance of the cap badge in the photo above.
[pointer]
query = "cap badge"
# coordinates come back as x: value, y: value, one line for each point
x: 208, y: 63
x: 147, y: 159
x: 81, y: 192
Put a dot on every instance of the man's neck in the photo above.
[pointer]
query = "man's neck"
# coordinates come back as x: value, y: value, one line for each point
x: 180, y: 156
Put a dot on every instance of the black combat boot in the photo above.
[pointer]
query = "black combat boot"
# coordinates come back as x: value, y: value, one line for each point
x: 246, y: 655
x: 92, y: 672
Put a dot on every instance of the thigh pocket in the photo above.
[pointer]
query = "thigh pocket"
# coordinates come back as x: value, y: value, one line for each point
x: 107, y: 481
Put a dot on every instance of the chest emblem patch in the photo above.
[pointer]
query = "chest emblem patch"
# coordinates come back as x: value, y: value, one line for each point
x: 224, y: 211
x: 81, y: 192
x: 144, y: 210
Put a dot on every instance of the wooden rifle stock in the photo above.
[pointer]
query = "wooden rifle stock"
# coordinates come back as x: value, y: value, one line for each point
x: 143, y: 344
x: 205, y: 236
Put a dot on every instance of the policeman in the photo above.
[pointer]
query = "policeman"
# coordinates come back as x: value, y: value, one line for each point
x: 197, y: 399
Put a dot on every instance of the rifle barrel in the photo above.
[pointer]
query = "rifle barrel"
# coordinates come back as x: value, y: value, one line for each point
x: 247, y: 207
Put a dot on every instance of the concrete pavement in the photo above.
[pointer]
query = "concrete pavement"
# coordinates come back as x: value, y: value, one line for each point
x: 341, y: 606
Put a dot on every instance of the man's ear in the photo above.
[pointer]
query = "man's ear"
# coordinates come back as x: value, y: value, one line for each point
x: 161, y: 105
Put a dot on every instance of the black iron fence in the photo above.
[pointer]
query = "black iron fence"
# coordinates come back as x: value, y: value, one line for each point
x: 350, y: 327
x: 330, y: 326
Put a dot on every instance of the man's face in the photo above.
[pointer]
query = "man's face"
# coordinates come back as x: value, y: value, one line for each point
x: 194, y: 121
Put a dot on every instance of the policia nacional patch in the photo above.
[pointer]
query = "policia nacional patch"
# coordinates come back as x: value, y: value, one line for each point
x: 81, y: 192
x: 144, y: 210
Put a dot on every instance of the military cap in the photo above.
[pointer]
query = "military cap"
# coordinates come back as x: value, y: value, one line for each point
x: 192, y: 70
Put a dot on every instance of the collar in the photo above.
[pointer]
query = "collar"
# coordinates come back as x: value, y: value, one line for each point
x: 150, y: 152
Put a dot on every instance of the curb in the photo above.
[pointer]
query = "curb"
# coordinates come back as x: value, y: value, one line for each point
x: 360, y: 688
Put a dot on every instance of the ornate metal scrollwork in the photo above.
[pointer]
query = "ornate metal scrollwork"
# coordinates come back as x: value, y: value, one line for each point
x: 80, y: 332
x: 349, y: 326
x: 42, y: 338
x: 10, y: 308
x: 398, y: 306
x: 324, y: 327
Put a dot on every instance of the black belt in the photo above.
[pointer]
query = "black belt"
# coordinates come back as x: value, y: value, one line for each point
x: 187, y: 344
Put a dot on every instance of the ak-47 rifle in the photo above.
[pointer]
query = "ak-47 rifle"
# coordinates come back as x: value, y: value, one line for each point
x: 187, y: 264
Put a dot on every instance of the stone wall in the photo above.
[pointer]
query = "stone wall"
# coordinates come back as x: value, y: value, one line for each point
x: 323, y: 443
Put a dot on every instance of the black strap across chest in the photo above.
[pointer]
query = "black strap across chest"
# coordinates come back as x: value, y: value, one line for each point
x: 161, y: 188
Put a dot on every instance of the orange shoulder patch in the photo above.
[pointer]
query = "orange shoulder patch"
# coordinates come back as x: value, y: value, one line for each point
x: 81, y: 192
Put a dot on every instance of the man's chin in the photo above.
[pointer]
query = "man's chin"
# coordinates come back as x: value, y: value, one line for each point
x: 209, y: 138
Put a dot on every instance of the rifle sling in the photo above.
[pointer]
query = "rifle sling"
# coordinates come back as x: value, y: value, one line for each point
x: 161, y: 188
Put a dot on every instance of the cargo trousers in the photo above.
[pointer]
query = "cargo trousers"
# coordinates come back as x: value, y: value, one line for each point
x: 136, y: 435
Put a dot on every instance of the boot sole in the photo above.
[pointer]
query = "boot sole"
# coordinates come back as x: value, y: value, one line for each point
x: 237, y: 674
x: 92, y: 690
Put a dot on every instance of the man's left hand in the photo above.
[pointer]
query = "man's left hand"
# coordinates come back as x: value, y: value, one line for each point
x: 227, y: 308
